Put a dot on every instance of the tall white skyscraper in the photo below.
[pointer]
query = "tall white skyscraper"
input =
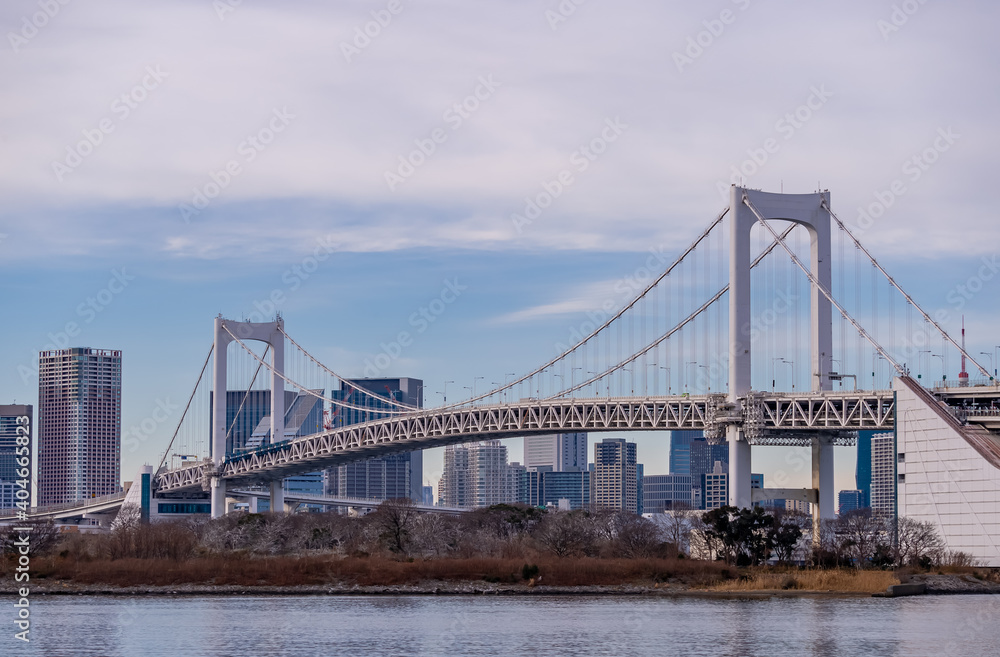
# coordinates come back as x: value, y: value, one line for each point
x: 615, y: 481
x: 477, y: 475
x: 560, y: 452
x: 883, y: 474
x: 79, y: 424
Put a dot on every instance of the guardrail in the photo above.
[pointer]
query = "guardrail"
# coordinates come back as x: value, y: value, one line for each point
x: 66, y: 506
x: 968, y: 383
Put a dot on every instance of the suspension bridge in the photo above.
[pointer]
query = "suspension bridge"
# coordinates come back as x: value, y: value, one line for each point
x: 751, y: 335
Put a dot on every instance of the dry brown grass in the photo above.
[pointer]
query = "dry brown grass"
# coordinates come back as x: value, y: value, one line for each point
x: 243, y: 570
x: 841, y: 581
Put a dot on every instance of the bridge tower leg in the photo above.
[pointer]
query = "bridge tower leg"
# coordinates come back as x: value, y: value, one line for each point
x: 277, y: 496
x: 822, y: 481
x: 807, y: 210
x: 269, y: 332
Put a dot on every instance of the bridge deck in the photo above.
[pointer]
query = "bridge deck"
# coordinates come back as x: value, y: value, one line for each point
x: 804, y: 412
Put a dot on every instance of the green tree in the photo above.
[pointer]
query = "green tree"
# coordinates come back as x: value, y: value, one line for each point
x: 784, y: 538
x: 744, y: 535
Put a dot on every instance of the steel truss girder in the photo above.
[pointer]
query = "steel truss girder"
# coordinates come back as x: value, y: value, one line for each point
x: 777, y: 438
x: 434, y: 428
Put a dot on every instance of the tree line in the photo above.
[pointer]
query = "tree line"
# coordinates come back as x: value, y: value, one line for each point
x: 741, y: 537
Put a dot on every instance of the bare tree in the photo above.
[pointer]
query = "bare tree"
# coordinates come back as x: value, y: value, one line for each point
x: 917, y: 542
x: 634, y: 536
x: 42, y: 537
x: 396, y: 519
x: 121, y: 543
x: 566, y: 533
x: 861, y: 532
x: 677, y: 524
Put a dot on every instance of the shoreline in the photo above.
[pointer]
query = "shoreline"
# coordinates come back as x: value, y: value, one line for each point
x: 936, y: 585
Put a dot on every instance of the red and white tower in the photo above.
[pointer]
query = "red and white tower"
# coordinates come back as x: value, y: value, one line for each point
x: 963, y: 376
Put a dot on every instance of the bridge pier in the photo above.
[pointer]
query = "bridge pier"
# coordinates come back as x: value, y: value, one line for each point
x: 822, y: 482
x: 277, y: 496
x: 739, y: 468
x: 218, y: 497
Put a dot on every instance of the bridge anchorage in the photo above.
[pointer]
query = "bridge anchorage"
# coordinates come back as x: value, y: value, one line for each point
x: 631, y: 372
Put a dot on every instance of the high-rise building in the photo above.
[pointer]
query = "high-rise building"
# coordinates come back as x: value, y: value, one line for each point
x: 428, y: 495
x: 519, y: 473
x: 492, y: 480
x: 389, y: 477
x: 615, y: 475
x: 863, y: 467
x: 640, y: 474
x: 559, y: 452
x: 478, y: 475
x: 680, y: 451
x: 547, y: 488
x: 883, y: 469
x: 849, y: 500
x: 715, y: 487
x: 244, y: 411
x: 15, y: 455
x: 665, y: 492
x: 703, y: 458
x: 453, y: 486
x: 79, y: 424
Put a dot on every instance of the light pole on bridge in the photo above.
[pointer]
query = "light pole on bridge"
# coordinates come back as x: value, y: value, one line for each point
x: 920, y: 365
x: 669, y: 387
x: 944, y: 375
x: 505, y: 392
x: 708, y: 377
x: 774, y: 376
x: 791, y: 374
x: 687, y: 365
x: 988, y: 354
x: 446, y: 391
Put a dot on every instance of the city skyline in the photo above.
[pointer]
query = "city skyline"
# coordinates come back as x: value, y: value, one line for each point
x: 311, y: 225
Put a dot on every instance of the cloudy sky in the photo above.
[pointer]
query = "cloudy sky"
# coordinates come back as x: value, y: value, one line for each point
x: 199, y: 151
